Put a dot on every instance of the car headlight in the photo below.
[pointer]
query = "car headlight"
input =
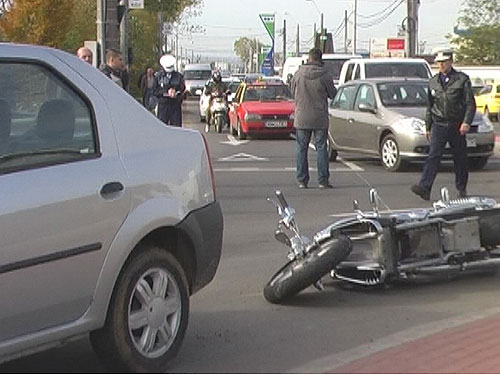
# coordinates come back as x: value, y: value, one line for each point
x: 292, y: 116
x: 415, y: 124
x: 484, y: 126
x: 253, y: 117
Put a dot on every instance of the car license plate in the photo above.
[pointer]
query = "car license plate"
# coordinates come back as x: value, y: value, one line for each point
x: 276, y: 124
x: 471, y: 142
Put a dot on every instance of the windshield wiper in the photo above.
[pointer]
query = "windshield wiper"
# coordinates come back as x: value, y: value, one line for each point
x: 19, y: 155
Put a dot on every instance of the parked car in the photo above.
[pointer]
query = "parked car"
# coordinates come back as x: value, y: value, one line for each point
x: 109, y: 220
x: 488, y: 99
x: 232, y: 84
x: 383, y: 68
x: 195, y: 77
x: 261, y: 107
x: 385, y: 117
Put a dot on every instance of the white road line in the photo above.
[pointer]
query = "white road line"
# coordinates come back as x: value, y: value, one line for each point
x: 233, y: 141
x: 277, y: 169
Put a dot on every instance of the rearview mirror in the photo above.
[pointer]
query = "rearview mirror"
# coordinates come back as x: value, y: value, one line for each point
x: 364, y: 107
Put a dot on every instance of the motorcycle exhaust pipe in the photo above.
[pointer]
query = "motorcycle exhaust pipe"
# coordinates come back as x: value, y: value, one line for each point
x: 472, y: 266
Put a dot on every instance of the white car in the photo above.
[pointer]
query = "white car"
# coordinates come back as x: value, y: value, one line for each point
x: 232, y: 84
x: 108, y: 217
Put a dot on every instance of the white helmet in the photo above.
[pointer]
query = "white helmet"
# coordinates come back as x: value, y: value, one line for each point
x: 168, y: 63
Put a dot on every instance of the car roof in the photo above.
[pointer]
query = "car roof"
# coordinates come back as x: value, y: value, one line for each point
x: 388, y: 59
x: 387, y: 80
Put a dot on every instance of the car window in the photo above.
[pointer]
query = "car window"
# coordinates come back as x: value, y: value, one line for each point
x: 344, y: 98
x: 334, y: 66
x: 43, y: 119
x: 400, y: 94
x: 197, y: 74
x: 414, y: 70
x: 267, y: 93
x: 348, y: 74
x: 486, y: 90
x: 365, y: 96
x: 498, y: 89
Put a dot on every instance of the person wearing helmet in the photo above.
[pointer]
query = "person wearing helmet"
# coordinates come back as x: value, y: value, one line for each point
x: 169, y: 88
x: 215, y: 87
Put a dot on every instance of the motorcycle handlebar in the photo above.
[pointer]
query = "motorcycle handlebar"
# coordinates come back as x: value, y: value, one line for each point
x: 281, y: 199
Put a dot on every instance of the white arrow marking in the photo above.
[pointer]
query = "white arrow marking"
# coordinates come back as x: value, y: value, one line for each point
x: 233, y: 141
x: 243, y: 157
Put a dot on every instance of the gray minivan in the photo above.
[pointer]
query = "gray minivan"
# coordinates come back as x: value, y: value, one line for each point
x: 195, y: 76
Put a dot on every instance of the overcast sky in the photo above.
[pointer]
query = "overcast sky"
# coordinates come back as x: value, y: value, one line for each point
x: 225, y: 21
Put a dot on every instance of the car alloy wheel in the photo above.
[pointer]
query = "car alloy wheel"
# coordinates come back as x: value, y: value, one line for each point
x: 154, y: 312
x: 389, y: 153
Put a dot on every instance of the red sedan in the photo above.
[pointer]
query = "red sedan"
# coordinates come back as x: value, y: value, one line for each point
x: 263, y: 107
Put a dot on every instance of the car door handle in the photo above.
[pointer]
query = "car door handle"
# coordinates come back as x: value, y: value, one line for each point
x: 111, y: 188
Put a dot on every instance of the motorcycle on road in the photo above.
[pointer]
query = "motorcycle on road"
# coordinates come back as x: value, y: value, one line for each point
x: 219, y: 112
x: 373, y: 248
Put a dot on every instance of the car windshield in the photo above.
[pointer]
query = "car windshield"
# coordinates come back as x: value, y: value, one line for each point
x: 334, y: 67
x: 413, y: 70
x: 403, y: 94
x: 197, y: 74
x: 267, y: 93
x: 233, y: 86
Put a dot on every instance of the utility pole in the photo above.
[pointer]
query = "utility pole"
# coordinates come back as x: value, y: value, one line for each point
x: 124, y: 32
x: 345, y: 31
x: 412, y: 26
x: 112, y: 36
x: 176, y: 48
x: 297, y: 42
x: 284, y: 41
x: 355, y: 27
x: 101, y: 32
x: 321, y: 35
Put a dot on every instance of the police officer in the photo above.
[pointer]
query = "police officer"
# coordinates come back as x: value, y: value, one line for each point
x: 450, y: 111
x: 169, y: 88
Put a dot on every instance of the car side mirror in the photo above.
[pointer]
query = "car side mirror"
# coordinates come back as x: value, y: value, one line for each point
x: 364, y: 107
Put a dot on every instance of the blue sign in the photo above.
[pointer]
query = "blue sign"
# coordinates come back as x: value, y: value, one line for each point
x: 267, y: 67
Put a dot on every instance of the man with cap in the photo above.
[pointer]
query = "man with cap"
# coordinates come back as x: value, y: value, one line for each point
x: 169, y: 88
x: 450, y: 111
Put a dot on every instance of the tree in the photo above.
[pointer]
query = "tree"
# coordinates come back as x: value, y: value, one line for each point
x: 477, y: 40
x: 37, y: 22
x: 245, y: 48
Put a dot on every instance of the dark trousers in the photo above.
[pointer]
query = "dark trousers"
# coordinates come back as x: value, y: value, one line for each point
x: 170, y: 113
x: 440, y: 134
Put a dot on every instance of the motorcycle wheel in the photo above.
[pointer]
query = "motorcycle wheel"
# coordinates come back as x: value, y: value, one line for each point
x: 218, y: 124
x: 298, y: 274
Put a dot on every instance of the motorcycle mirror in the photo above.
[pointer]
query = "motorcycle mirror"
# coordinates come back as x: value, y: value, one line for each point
x: 374, y: 199
x: 282, y: 237
x: 445, y: 195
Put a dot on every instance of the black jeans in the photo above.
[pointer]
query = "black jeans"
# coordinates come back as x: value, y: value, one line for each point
x: 440, y: 134
x: 170, y: 113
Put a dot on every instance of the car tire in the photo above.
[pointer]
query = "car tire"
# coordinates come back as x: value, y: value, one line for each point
x: 477, y: 163
x: 389, y: 154
x: 151, y: 292
x: 239, y: 131
x: 332, y: 153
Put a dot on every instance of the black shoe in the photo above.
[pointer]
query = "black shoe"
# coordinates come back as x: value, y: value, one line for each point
x: 302, y: 185
x: 462, y: 193
x: 325, y: 186
x: 421, y: 192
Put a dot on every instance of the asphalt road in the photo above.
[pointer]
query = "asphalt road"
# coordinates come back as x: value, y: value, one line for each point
x: 232, y: 328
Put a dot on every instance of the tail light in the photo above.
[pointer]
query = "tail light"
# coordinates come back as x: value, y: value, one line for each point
x: 212, y: 176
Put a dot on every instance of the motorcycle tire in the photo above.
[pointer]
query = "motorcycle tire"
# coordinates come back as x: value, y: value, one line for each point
x: 298, y: 274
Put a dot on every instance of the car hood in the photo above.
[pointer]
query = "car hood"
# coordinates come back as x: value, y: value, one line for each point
x: 269, y: 107
x: 417, y: 112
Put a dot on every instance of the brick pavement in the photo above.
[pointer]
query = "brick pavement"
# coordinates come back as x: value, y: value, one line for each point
x: 470, y: 348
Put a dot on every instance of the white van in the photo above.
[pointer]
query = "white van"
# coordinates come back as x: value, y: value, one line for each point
x: 384, y: 67
x: 290, y: 66
x: 195, y: 76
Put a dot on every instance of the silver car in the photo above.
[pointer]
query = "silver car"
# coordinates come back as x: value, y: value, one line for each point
x: 385, y: 117
x: 108, y: 217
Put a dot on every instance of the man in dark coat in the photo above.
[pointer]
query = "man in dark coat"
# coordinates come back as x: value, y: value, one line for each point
x: 115, y: 69
x: 312, y: 85
x: 169, y: 88
x: 450, y: 110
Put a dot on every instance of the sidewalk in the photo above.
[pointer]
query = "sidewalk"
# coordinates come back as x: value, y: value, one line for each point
x: 471, y: 348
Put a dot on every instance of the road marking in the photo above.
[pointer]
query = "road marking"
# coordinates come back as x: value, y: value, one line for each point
x: 276, y: 169
x: 233, y: 141
x: 243, y: 157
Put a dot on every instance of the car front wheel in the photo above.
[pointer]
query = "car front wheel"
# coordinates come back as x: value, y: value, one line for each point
x: 148, y: 314
x: 389, y: 154
x: 332, y: 153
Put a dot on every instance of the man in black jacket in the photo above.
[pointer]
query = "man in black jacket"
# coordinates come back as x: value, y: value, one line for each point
x: 115, y: 69
x: 450, y: 111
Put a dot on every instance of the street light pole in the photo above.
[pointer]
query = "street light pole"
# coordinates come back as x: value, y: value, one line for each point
x: 355, y: 27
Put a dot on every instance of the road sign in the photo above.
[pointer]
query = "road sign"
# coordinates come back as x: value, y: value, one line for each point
x: 136, y: 4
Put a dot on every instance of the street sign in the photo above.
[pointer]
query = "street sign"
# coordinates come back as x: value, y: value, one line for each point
x: 135, y: 4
